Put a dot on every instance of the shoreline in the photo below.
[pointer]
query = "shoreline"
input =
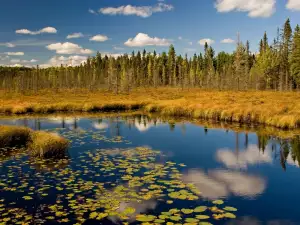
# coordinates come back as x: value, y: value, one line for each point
x: 280, y: 110
x: 206, y: 124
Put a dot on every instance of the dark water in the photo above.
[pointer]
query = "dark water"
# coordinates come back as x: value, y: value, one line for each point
x: 259, y: 175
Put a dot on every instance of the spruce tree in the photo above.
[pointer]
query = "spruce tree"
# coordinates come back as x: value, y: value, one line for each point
x: 295, y: 58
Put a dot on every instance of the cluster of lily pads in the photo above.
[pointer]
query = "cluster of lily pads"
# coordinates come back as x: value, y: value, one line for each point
x: 80, y: 137
x: 121, y: 186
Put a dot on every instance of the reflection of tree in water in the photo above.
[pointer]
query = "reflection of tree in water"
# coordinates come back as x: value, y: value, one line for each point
x: 172, y: 125
x: 115, y: 126
x: 262, y: 141
x: 286, y: 148
x: 295, y: 149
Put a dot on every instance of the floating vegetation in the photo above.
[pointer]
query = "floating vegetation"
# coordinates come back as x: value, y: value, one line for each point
x: 116, y: 185
x: 80, y: 137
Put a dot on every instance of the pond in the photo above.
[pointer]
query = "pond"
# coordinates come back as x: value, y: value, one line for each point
x: 142, y: 170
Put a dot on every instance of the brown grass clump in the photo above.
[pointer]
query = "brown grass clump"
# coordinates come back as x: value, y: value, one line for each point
x: 43, y: 144
x: 11, y: 136
x: 39, y: 143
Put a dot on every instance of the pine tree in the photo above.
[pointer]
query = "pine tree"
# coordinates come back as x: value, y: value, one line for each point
x: 295, y: 58
x: 265, y: 42
x: 171, y: 65
x: 287, y: 43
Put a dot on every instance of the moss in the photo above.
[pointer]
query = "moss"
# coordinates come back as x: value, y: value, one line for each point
x: 38, y: 143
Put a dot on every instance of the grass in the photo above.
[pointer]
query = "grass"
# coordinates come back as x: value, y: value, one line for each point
x: 43, y: 144
x: 39, y: 143
x: 14, y: 136
x: 279, y: 109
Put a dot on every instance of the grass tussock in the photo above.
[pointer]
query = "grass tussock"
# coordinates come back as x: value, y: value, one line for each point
x: 279, y: 109
x: 11, y: 136
x: 43, y: 144
x: 39, y: 143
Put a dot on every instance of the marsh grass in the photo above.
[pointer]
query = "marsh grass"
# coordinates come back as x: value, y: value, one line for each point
x: 279, y: 109
x: 11, y: 136
x: 43, y: 144
x: 38, y: 143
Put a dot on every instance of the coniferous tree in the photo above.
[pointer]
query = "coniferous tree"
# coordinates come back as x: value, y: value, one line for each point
x: 295, y: 58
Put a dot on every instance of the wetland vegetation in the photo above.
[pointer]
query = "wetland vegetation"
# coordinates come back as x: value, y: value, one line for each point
x: 38, y: 143
x: 121, y: 170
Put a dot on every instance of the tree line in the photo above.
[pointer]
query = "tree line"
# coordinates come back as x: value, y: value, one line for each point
x: 275, y: 67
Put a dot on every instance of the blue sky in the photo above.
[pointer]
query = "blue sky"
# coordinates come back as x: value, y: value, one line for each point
x: 35, y: 32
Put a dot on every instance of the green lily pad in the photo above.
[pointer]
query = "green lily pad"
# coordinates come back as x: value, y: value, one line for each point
x: 218, y: 202
x: 200, y: 209
x: 229, y: 208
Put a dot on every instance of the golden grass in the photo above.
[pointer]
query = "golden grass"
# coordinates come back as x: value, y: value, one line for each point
x: 11, y: 136
x: 39, y: 143
x: 279, y: 109
x: 43, y: 144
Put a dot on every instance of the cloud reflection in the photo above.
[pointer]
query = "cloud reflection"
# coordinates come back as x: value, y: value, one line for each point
x: 100, y: 126
x: 251, y: 156
x: 242, y: 159
x: 222, y: 183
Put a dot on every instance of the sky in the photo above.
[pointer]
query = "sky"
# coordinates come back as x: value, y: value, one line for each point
x: 51, y: 33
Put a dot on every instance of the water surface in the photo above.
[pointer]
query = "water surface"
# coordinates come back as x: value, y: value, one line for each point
x: 256, y: 174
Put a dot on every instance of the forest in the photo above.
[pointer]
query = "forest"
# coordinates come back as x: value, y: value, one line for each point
x: 275, y: 67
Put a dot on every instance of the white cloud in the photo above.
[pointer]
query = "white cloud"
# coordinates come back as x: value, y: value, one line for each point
x: 15, y: 53
x: 142, y: 11
x: 68, y: 48
x: 118, y: 48
x: 255, y: 8
x: 142, y: 39
x: 114, y: 55
x: 293, y: 5
x: 10, y: 45
x: 227, y: 41
x: 15, y: 60
x: 190, y: 43
x: 74, y: 60
x: 92, y: 11
x: 75, y: 35
x: 26, y: 42
x: 4, y: 57
x: 206, y: 40
x: 16, y: 65
x: 99, y: 38
x: 179, y: 38
x: 49, y: 30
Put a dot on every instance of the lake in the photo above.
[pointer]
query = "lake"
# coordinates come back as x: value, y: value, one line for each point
x: 143, y: 170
